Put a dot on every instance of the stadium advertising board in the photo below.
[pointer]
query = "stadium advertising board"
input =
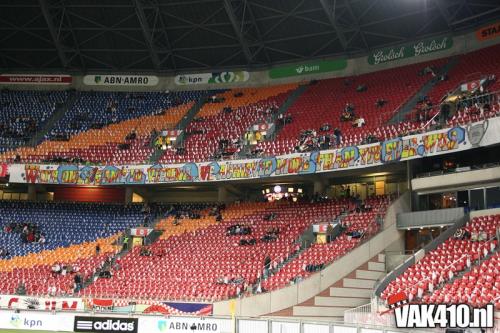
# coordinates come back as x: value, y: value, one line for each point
x: 416, y: 49
x: 36, y: 79
x: 185, y: 325
x: 489, y: 32
x: 121, y: 80
x: 352, y: 157
x: 40, y: 321
x: 315, y: 67
x: 38, y: 303
x: 211, y: 78
x: 106, y: 324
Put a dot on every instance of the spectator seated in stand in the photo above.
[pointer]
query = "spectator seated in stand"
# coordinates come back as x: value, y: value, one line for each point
x: 380, y: 102
x: 358, y: 122
x: 362, y: 88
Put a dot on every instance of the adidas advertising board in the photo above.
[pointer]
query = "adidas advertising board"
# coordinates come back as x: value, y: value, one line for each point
x: 106, y: 324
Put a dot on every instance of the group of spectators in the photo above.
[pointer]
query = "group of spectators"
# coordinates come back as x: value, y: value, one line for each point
x: 237, y: 229
x: 28, y: 232
x: 21, y: 127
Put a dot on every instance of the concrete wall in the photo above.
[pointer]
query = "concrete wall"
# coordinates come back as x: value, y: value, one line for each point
x: 355, y: 66
x: 475, y: 177
x: 292, y: 295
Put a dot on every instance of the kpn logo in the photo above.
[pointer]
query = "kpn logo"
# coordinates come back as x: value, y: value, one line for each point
x: 440, y: 315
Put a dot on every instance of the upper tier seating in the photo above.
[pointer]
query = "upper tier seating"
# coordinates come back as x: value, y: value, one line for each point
x: 323, y: 103
x: 471, y: 66
x: 22, y: 113
x: 188, y: 265
x: 98, y: 108
x: 228, y: 117
x: 325, y: 253
x: 450, y: 258
x: 101, y: 145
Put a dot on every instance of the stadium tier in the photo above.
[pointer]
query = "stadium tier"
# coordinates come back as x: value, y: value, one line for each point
x: 245, y: 243
x: 445, y: 274
x: 23, y: 113
x: 110, y: 127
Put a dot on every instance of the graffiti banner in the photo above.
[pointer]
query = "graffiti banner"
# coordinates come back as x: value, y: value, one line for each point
x: 38, y: 303
x: 149, y: 307
x: 353, y: 157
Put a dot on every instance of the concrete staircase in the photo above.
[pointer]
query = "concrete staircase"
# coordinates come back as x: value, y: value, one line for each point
x: 424, y: 90
x: 181, y: 125
x: 292, y: 97
x: 353, y: 290
x: 56, y: 116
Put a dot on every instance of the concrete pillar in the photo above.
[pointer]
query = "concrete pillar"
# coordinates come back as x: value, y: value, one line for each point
x: 222, y: 194
x: 31, y: 192
x: 319, y: 186
x: 129, y: 193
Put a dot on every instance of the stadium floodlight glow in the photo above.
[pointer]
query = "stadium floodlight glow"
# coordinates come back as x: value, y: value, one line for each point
x: 299, y: 190
x: 290, y: 189
x: 277, y: 189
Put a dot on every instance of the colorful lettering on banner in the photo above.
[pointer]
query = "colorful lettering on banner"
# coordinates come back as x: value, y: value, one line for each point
x: 352, y: 157
x: 4, y: 168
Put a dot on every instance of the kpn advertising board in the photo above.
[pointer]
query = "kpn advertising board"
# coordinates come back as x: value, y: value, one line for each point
x: 36, y: 321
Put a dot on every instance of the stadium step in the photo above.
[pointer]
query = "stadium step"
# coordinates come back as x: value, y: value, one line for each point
x: 353, y: 290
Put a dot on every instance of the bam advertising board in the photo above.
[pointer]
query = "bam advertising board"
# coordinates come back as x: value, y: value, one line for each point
x: 353, y: 157
x: 211, y: 78
x: 315, y: 67
x: 121, y: 80
x: 415, y: 49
